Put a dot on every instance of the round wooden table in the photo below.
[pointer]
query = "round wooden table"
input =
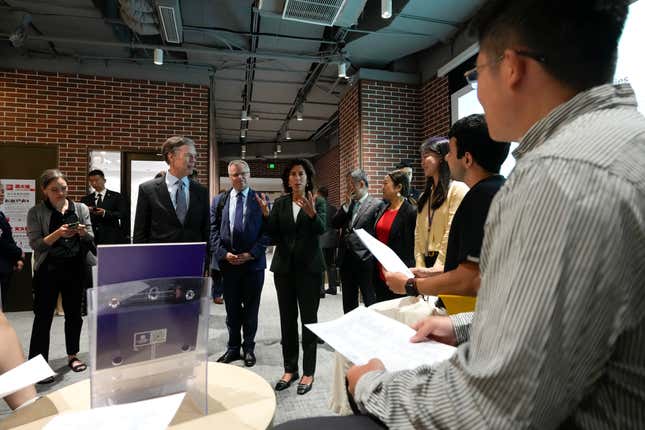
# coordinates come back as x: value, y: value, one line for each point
x: 238, y: 399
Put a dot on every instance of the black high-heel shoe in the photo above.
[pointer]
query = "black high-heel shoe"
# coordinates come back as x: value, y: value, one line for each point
x: 305, y: 388
x: 282, y: 384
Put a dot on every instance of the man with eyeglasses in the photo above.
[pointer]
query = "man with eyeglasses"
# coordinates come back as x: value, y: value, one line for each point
x: 173, y: 208
x: 238, y: 242
x: 556, y: 340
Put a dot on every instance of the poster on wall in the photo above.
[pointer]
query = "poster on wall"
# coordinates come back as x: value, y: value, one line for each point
x: 19, y: 197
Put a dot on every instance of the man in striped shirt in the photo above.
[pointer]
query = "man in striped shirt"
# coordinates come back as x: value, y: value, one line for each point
x: 558, y: 336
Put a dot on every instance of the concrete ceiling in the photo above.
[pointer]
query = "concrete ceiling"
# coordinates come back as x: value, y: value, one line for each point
x: 269, y: 78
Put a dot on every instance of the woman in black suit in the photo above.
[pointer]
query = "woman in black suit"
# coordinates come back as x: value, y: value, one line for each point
x: 394, y: 227
x: 295, y: 224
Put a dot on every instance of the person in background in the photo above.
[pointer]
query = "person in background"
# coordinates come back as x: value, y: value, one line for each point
x: 475, y: 159
x: 108, y: 211
x: 329, y: 243
x: 11, y: 256
x: 356, y: 262
x: 217, y: 287
x: 11, y: 356
x: 239, y: 246
x: 436, y: 206
x: 60, y: 234
x: 406, y: 168
x: 295, y: 224
x: 394, y: 227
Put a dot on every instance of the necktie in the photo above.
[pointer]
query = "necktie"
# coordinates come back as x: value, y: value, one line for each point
x: 238, y: 223
x: 99, y: 199
x: 355, y: 205
x: 181, y: 208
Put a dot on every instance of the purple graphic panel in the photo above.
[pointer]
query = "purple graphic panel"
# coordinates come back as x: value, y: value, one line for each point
x: 123, y: 263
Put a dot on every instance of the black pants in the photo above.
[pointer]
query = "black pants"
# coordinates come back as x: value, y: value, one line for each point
x: 298, y: 290
x: 65, y: 277
x: 357, y: 275
x: 217, y: 288
x: 382, y: 292
x: 242, y: 291
x: 330, y: 262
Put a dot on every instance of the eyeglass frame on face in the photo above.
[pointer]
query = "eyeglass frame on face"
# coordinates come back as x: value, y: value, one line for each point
x: 473, y: 74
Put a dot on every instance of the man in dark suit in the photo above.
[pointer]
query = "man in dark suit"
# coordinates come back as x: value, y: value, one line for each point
x: 239, y: 243
x: 356, y: 262
x: 406, y: 167
x: 11, y: 256
x: 108, y: 211
x: 173, y: 208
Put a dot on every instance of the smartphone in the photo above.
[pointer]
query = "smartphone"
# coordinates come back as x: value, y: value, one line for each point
x: 73, y: 225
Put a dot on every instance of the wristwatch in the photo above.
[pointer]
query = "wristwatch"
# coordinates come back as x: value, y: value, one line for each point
x: 411, y: 287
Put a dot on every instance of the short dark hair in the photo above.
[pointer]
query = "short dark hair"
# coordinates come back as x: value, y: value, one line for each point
x: 309, y: 170
x: 403, y: 165
x: 472, y: 136
x: 323, y: 191
x: 400, y: 178
x: 577, y: 39
x: 174, y: 142
x: 96, y: 172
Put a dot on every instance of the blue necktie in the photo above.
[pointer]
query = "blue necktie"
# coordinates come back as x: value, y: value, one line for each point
x: 182, y: 207
x: 238, y: 223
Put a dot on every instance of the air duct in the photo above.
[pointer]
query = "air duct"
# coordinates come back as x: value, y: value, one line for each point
x: 170, y: 22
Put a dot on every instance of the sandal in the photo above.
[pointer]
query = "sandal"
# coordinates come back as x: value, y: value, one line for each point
x: 78, y: 367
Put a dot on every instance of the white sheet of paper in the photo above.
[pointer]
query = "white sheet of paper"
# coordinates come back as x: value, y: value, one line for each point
x: 26, y: 374
x: 388, y: 258
x: 153, y: 414
x: 363, y: 334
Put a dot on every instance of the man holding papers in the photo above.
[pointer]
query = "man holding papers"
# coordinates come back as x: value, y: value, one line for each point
x: 556, y: 340
x: 475, y: 159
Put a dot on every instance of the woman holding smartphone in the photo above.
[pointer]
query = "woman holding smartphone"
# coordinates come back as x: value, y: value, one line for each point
x: 60, y: 233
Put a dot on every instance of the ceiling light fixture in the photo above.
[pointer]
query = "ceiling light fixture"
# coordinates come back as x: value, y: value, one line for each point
x: 245, y: 115
x: 287, y: 135
x: 386, y: 9
x: 299, y: 113
x: 278, y: 148
x: 158, y: 56
x: 243, y: 133
x: 342, y: 70
x: 243, y: 151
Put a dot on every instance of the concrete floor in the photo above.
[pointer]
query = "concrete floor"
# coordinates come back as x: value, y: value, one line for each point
x: 268, y: 352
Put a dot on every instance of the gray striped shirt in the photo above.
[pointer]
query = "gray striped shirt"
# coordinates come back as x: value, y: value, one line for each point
x: 558, y: 336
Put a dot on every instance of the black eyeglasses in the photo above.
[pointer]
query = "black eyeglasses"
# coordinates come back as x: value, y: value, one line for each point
x: 473, y: 74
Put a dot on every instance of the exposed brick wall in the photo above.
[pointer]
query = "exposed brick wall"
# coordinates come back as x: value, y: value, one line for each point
x: 81, y: 113
x: 328, y: 172
x: 349, y: 133
x: 391, y: 128
x: 435, y: 103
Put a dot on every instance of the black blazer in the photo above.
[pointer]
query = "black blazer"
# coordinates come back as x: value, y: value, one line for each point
x: 401, y: 237
x: 114, y: 227
x: 365, y: 219
x: 10, y: 253
x: 297, y: 244
x: 156, y: 221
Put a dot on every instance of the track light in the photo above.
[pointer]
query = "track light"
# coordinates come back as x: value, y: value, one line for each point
x: 18, y: 37
x: 278, y: 148
x: 299, y: 113
x: 287, y: 135
x: 158, y: 56
x: 386, y: 9
x: 243, y: 151
x: 342, y: 70
x: 243, y: 133
x: 245, y: 115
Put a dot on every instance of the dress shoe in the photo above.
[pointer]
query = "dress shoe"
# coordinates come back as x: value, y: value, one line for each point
x: 218, y: 300
x: 282, y: 384
x: 229, y: 356
x: 305, y: 388
x: 330, y: 291
x: 249, y: 359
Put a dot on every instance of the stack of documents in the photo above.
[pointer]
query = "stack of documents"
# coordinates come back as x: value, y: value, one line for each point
x: 363, y: 334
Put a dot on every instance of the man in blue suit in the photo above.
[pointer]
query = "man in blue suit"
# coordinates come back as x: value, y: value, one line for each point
x: 239, y: 245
